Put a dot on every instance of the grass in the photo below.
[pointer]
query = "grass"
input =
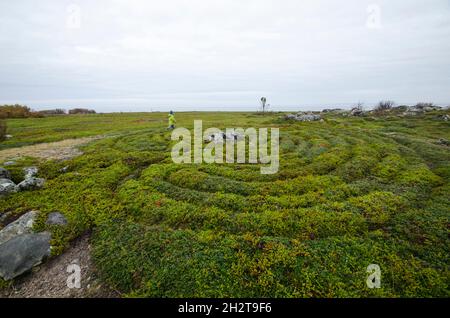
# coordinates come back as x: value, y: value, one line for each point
x: 350, y: 192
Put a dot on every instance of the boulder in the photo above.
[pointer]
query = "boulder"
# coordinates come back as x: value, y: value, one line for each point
x: 443, y: 142
x: 9, y: 163
x: 7, y: 186
x: 31, y: 183
x: 290, y: 117
x: 310, y: 117
x: 302, y: 117
x: 356, y: 112
x: 30, y: 172
x: 64, y: 169
x: 4, y: 173
x: 22, y: 253
x: 56, y: 218
x: 22, y: 225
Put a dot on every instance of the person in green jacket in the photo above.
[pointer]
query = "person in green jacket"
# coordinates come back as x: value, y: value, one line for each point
x: 172, y: 120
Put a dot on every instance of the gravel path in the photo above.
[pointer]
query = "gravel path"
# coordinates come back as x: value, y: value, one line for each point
x: 49, y: 280
x: 58, y: 150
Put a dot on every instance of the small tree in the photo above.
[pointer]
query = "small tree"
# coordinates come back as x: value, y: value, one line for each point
x: 384, y: 105
x: 360, y: 106
x: 263, y: 103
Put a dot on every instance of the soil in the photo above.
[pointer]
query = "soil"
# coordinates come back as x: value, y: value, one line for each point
x: 58, y: 150
x: 49, y: 280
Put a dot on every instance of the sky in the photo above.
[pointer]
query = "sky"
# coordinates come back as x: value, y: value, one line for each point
x: 223, y: 55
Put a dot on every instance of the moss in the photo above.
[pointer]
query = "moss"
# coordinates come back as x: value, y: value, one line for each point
x: 349, y: 193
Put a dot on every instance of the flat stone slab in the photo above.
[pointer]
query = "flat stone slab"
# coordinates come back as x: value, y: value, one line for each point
x: 22, y: 225
x: 22, y: 253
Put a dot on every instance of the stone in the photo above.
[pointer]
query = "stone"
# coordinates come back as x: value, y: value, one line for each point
x: 443, y: 142
x: 356, y: 112
x: 308, y: 118
x: 7, y: 186
x: 9, y: 163
x: 64, y: 169
x: 4, y: 173
x: 31, y: 183
x: 30, y: 172
x: 21, y: 253
x: 56, y: 218
x: 22, y: 225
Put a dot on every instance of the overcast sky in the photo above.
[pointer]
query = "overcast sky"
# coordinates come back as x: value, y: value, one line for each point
x: 223, y: 54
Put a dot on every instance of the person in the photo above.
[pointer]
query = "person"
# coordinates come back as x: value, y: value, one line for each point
x: 172, y: 120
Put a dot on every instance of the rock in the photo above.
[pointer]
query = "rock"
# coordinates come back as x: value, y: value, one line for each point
x: 30, y: 172
x: 9, y: 163
x: 22, y: 253
x: 31, y: 183
x: 333, y: 110
x: 64, y: 169
x: 22, y: 225
x: 56, y: 218
x: 308, y: 118
x: 302, y: 117
x: 445, y: 117
x: 7, y: 186
x: 8, y: 136
x: 290, y: 117
x: 4, y: 173
x: 356, y: 112
x: 443, y: 142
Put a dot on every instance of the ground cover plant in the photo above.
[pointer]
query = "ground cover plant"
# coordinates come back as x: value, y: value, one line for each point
x: 350, y: 191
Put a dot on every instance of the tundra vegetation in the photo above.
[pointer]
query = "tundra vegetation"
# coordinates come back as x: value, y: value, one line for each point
x: 350, y: 192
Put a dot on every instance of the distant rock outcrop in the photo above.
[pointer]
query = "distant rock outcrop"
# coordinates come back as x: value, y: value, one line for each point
x: 303, y: 117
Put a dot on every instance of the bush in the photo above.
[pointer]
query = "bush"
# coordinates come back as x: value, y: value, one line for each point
x: 81, y: 111
x: 384, y: 105
x: 57, y: 111
x: 17, y: 111
x: 2, y: 130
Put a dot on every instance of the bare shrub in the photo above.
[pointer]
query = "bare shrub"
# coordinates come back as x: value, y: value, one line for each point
x: 384, y: 105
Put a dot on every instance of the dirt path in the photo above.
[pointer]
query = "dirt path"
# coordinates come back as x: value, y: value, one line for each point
x: 49, y: 280
x: 59, y: 150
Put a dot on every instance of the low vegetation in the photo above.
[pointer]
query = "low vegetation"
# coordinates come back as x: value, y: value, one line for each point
x: 351, y: 191
x: 17, y: 111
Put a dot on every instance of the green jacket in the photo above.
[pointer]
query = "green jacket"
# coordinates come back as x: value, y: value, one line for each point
x: 172, y: 120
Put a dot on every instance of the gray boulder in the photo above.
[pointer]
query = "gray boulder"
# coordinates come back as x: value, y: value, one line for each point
x: 22, y: 253
x: 302, y: 117
x: 356, y: 112
x: 290, y: 117
x: 7, y: 186
x: 9, y: 163
x: 22, y: 225
x: 30, y: 172
x: 56, y: 218
x: 310, y: 117
x: 31, y: 183
x: 4, y: 173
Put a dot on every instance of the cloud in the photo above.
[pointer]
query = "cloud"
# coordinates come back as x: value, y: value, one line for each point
x: 206, y: 54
